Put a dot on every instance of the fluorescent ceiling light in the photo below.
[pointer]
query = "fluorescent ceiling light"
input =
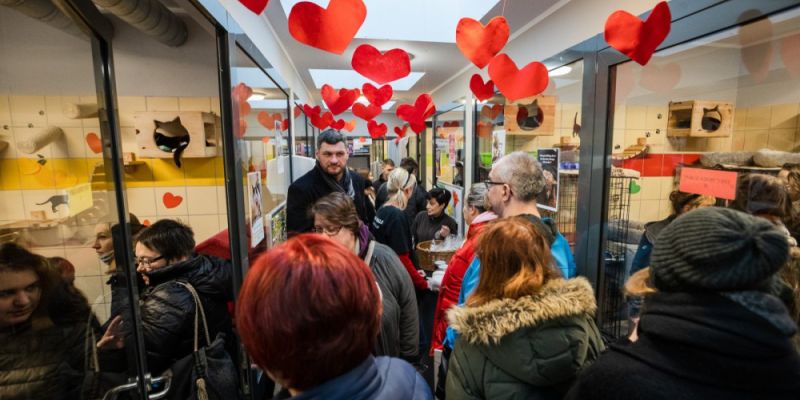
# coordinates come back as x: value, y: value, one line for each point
x: 560, y: 71
x: 256, y: 97
x: 347, y: 78
x: 413, y: 20
x: 269, y: 104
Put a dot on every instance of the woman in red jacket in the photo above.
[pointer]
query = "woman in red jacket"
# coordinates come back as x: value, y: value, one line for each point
x: 477, y: 214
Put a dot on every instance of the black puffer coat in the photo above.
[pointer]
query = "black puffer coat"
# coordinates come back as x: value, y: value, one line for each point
x: 167, y: 308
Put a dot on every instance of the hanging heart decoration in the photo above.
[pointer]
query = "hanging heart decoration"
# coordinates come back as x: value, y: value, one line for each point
x: 482, y: 91
x: 170, y: 200
x: 285, y: 125
x: 396, y: 141
x: 480, y: 44
x: 634, y: 38
x: 376, y: 130
x: 242, y: 92
x: 518, y: 83
x: 401, y: 131
x: 330, y: 29
x: 244, y: 108
x: 296, y: 111
x: 322, y: 121
x: 377, y: 96
x: 266, y: 120
x: 491, y: 111
x: 309, y: 111
x: 350, y: 125
x: 256, y: 6
x: 366, y: 112
x: 485, y: 129
x: 338, y: 125
x: 416, y: 115
x: 94, y: 143
x: 338, y: 102
x: 242, y: 127
x: 381, y: 68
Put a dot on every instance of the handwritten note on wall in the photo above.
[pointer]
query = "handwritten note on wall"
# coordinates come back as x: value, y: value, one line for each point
x: 720, y: 184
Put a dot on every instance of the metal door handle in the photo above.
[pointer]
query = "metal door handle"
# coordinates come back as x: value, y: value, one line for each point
x: 166, y: 378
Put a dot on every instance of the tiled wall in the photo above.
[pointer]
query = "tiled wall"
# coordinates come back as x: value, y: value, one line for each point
x: 71, y: 161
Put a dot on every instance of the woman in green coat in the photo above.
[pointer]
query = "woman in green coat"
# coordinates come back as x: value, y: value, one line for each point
x: 525, y: 332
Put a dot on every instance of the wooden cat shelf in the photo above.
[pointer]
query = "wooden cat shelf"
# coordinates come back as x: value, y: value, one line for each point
x: 163, y: 134
x: 700, y: 119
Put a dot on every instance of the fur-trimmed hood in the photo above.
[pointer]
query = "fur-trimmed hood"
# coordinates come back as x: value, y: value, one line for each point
x: 489, y: 323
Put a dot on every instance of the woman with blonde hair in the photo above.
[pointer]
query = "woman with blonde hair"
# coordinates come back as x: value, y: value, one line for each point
x: 525, y: 331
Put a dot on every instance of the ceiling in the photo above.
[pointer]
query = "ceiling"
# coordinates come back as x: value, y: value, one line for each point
x: 437, y: 61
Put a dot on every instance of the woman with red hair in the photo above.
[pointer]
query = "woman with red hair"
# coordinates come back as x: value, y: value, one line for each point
x: 309, y: 314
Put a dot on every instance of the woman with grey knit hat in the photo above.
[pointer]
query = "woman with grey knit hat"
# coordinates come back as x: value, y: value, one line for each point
x: 713, y: 330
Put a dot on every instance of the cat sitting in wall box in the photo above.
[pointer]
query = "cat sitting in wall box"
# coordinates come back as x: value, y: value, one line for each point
x: 171, y: 137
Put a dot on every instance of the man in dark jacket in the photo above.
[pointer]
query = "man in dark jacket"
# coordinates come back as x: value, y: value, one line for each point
x: 329, y: 175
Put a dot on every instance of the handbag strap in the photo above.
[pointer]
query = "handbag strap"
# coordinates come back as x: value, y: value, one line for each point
x: 370, y: 249
x: 199, y: 312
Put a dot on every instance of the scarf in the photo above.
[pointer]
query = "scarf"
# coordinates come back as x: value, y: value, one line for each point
x: 346, y: 185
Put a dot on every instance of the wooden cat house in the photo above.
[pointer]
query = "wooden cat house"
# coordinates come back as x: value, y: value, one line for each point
x: 531, y: 116
x: 160, y: 133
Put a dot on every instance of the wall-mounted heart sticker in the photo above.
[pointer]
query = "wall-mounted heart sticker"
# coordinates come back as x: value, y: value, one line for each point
x: 330, y: 29
x: 482, y: 91
x: 266, y: 120
x: 170, y: 200
x: 416, y: 115
x: 242, y: 127
x: 309, y: 111
x: 376, y: 130
x: 350, y: 125
x: 338, y: 125
x: 490, y: 112
x: 377, y: 96
x: 296, y: 111
x: 401, y: 131
x: 94, y: 143
x: 338, y: 101
x: 285, y: 125
x: 634, y: 187
x: 634, y: 38
x: 516, y: 83
x: 256, y: 6
x: 660, y: 79
x: 366, y: 112
x: 381, y: 68
x: 480, y: 44
x: 322, y: 121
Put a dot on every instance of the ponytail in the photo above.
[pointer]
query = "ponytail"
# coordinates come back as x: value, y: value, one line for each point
x: 399, y: 180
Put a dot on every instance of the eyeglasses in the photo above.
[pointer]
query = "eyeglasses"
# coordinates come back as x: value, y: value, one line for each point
x: 328, y: 231
x: 489, y: 183
x: 146, y: 261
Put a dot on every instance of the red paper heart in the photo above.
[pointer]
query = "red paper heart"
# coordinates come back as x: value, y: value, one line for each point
x: 266, y: 120
x: 376, y: 130
x: 256, y: 6
x: 401, y: 131
x: 790, y: 54
x: 381, y: 68
x: 338, y: 125
x: 660, y: 79
x: 478, y: 43
x: 285, y: 125
x: 416, y: 115
x: 242, y: 92
x: 634, y: 38
x: 518, y: 83
x: 485, y: 129
x: 330, y: 29
x: 244, y: 108
x: 296, y: 111
x: 242, y: 127
x: 482, y: 91
x: 323, y: 121
x: 277, y: 117
x: 311, y: 110
x: 377, y: 96
x: 366, y: 112
x: 338, y: 102
x: 350, y: 125
x: 491, y: 113
x: 94, y: 142
x: 171, y: 201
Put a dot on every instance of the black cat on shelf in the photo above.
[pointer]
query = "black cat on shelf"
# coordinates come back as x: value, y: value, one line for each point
x: 172, y: 137
x: 530, y: 116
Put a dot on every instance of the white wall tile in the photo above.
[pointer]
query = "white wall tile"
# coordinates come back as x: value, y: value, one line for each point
x: 201, y: 200
x: 12, y: 206
x: 85, y: 260
x: 194, y: 104
x: 27, y: 110
x: 204, y: 226
x: 128, y: 106
x: 162, y: 103
x: 142, y: 201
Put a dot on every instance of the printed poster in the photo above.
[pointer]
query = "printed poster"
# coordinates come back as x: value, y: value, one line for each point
x: 256, y: 216
x: 498, y: 144
x: 548, y: 197
x: 456, y: 207
x: 451, y: 147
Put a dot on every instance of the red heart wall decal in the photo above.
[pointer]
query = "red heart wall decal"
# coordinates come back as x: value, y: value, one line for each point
x: 316, y: 110
x: 634, y: 38
x: 338, y: 125
x: 338, y: 102
x: 478, y: 43
x: 416, y: 115
x: 366, y: 112
x: 381, y: 68
x: 94, y: 142
x: 170, y: 200
x: 377, y: 96
x: 350, y: 125
x: 330, y: 29
x: 323, y: 121
x: 256, y: 6
x: 376, y: 130
x: 518, y: 83
x: 401, y: 131
x: 296, y: 111
x: 482, y: 91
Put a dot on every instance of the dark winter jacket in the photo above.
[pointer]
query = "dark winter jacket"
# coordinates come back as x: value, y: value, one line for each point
x: 167, y: 308
x: 312, y: 186
x: 700, y: 346
x: 399, y: 334
x: 380, y: 378
x: 529, y: 348
x: 46, y: 363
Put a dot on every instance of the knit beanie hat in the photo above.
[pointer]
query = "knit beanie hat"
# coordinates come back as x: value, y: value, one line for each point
x: 717, y: 249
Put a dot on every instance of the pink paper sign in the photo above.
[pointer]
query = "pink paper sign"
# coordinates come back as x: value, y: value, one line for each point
x: 720, y: 184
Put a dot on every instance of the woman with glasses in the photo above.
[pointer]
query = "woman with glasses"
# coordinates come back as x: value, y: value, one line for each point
x: 391, y: 226
x: 164, y: 256
x: 335, y: 216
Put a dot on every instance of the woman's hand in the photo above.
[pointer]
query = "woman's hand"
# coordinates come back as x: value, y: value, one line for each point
x: 113, y: 337
x: 444, y: 232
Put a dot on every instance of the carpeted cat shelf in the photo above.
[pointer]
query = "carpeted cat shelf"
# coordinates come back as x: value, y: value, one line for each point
x: 38, y: 140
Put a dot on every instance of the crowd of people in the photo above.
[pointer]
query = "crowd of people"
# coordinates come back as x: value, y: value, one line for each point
x: 343, y: 309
